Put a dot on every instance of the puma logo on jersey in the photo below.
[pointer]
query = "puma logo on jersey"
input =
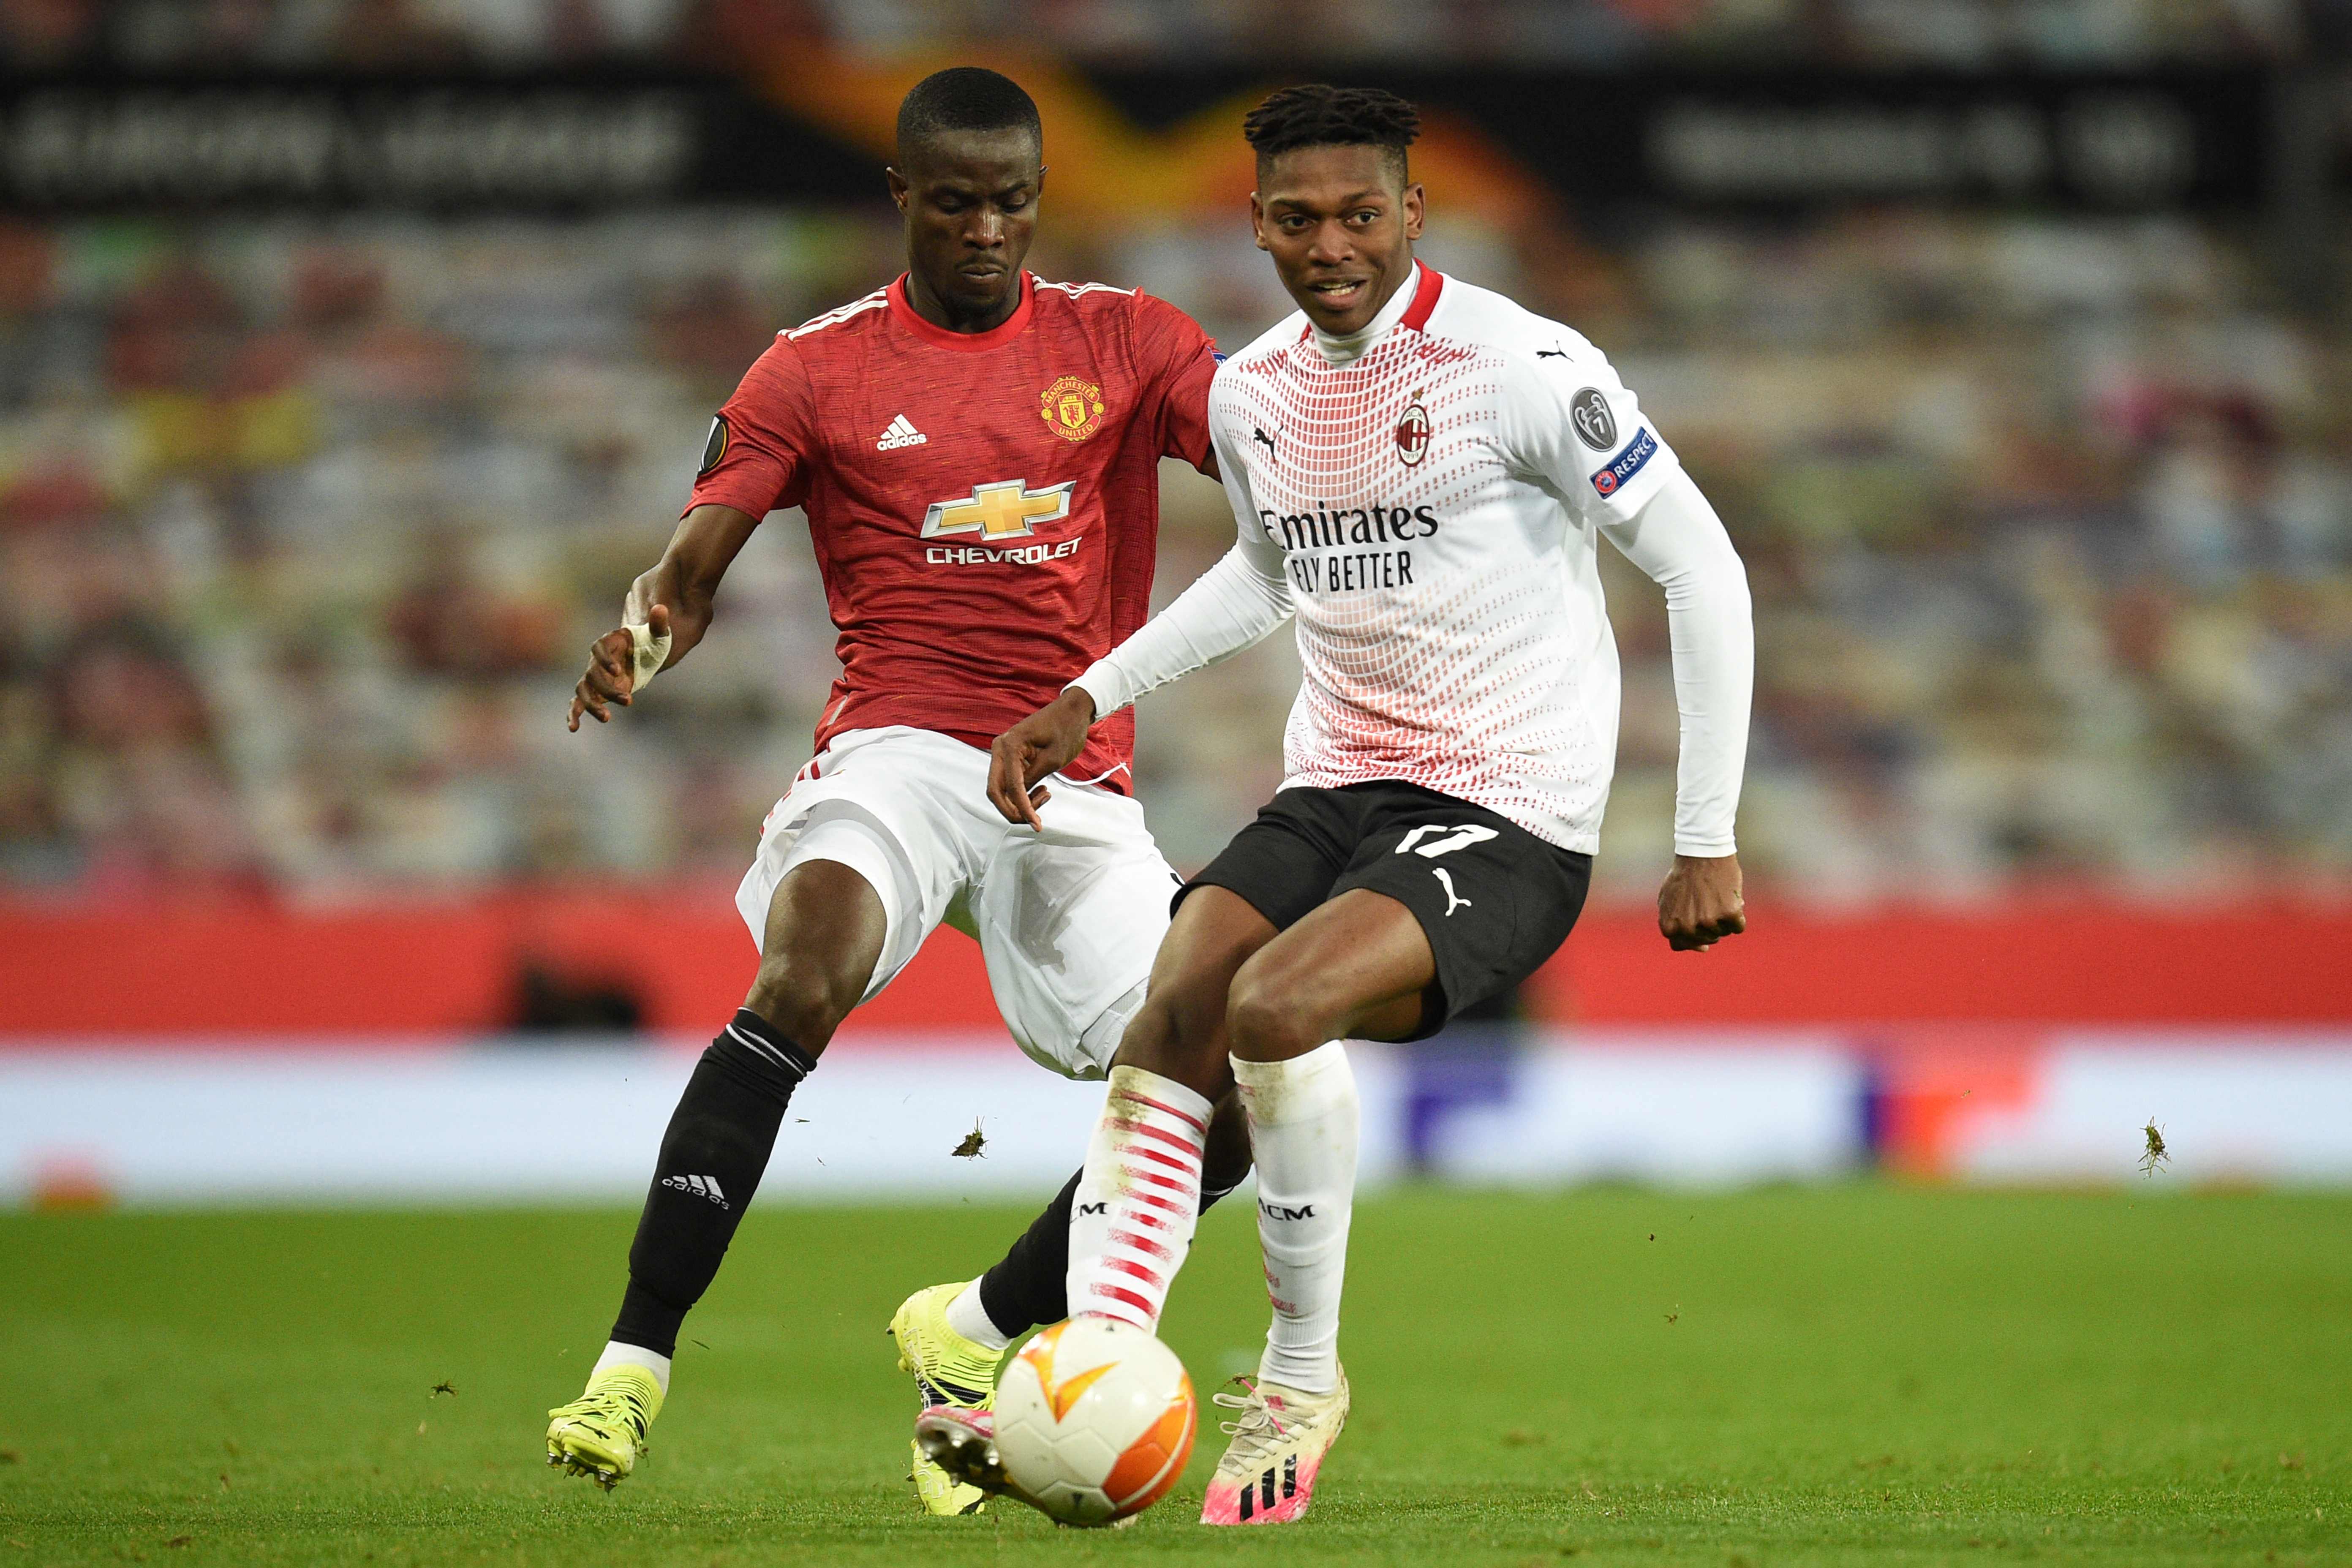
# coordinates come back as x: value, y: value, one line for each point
x: 901, y: 432
x: 1551, y: 353
x: 1453, y: 900
x: 1259, y: 436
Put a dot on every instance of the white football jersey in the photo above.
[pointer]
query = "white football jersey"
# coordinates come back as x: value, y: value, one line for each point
x: 1437, y: 500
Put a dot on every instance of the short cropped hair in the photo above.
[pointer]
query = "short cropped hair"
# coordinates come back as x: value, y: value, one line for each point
x: 1320, y: 115
x: 965, y: 98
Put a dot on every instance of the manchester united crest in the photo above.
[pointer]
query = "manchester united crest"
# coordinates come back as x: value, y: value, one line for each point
x: 1413, y: 432
x: 1072, y: 408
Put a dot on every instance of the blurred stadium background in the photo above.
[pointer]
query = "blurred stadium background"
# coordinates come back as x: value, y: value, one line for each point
x: 355, y: 353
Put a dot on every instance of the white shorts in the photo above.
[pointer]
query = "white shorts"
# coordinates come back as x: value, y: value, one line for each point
x: 1067, y: 921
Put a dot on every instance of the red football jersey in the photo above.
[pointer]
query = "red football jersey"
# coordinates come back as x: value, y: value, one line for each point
x: 986, y: 506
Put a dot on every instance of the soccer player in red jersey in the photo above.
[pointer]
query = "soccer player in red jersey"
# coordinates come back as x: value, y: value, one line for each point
x: 978, y: 454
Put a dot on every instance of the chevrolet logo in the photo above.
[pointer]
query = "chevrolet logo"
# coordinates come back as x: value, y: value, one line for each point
x: 1008, y: 509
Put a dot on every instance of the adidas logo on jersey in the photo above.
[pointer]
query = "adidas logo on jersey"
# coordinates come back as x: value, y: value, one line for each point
x: 700, y: 1186
x: 901, y: 434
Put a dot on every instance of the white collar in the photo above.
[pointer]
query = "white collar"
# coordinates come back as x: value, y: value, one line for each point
x: 1348, y: 350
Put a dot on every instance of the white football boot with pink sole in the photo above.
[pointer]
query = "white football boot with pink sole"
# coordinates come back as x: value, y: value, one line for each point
x: 1268, y: 1473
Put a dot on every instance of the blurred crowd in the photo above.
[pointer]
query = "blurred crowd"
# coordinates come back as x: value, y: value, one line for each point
x: 376, y: 33
x: 307, y: 524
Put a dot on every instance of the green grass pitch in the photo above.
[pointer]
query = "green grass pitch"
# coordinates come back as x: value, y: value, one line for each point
x: 1856, y: 1374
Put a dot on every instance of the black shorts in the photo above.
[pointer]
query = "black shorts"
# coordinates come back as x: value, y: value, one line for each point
x: 1494, y: 900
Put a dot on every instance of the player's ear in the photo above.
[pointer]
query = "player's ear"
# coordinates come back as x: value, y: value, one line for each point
x: 1413, y: 210
x: 899, y: 186
x: 1257, y: 220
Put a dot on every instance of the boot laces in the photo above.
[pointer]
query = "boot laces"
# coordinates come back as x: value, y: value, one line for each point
x: 620, y: 1407
x: 1261, y: 1429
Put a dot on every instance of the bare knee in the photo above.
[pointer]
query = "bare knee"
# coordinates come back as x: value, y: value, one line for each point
x: 804, y: 1002
x: 1271, y: 1016
x: 823, y: 937
x: 1178, y: 1033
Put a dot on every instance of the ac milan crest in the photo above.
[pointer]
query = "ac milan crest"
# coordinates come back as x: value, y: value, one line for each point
x: 1413, y: 432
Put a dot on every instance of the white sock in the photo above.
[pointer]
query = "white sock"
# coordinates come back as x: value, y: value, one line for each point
x: 1139, y: 1198
x: 967, y: 1317
x: 618, y: 1354
x: 1302, y: 1124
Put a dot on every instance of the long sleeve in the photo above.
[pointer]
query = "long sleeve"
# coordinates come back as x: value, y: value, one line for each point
x: 1234, y: 605
x: 1680, y: 543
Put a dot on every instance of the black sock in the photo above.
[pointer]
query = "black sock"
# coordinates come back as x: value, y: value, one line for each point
x: 1029, y: 1285
x: 711, y: 1161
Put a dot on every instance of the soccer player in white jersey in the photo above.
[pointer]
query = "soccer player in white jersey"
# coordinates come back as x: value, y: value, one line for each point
x: 1421, y: 471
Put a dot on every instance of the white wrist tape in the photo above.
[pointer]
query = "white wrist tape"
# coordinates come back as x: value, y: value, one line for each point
x: 648, y: 654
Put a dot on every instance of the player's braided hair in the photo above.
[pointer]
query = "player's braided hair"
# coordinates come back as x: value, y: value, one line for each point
x: 1320, y: 115
x: 965, y: 98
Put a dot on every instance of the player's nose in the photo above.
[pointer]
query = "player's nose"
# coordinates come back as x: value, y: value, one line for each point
x: 1332, y: 244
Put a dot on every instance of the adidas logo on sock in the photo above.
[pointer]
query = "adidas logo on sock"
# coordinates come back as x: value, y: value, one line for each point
x: 700, y: 1186
x: 901, y: 434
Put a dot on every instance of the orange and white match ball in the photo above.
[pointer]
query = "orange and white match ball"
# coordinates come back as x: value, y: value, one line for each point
x: 1095, y: 1419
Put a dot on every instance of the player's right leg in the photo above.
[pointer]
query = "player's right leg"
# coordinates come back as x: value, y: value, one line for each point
x: 1214, y: 934
x: 1028, y: 1286
x: 826, y: 933
x: 1139, y: 1191
x: 1137, y: 1199
x: 1070, y: 923
x: 1127, y: 1240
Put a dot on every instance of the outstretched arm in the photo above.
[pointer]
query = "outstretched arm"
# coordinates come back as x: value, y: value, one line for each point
x: 671, y: 601
x: 1677, y: 540
x: 1234, y: 605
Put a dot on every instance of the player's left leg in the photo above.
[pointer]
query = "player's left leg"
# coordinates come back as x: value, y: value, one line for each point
x: 1442, y: 904
x: 1358, y: 965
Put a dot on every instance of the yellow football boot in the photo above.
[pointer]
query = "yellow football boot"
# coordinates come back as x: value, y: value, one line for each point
x: 949, y: 1370
x: 602, y: 1434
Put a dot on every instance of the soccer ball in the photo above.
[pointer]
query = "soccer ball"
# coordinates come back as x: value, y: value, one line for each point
x: 1094, y: 1420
